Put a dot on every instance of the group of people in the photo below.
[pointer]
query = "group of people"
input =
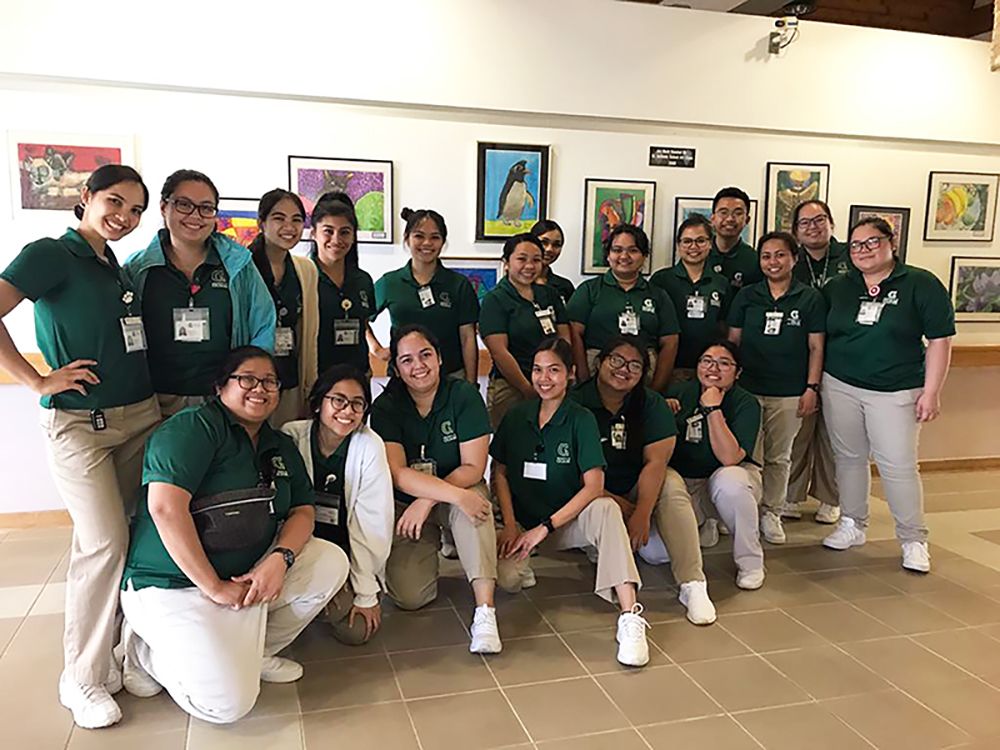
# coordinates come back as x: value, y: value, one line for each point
x: 213, y: 433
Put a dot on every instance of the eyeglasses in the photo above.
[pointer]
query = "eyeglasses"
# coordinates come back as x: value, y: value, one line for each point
x: 815, y: 221
x: 872, y: 243
x: 618, y: 362
x: 725, y: 213
x: 710, y: 362
x: 186, y: 207
x: 249, y: 382
x: 688, y: 242
x: 358, y: 405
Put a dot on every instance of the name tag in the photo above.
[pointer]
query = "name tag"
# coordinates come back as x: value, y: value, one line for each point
x: 191, y: 324
x: 870, y: 312
x: 346, y: 332
x: 695, y: 431
x: 284, y: 341
x: 134, y: 334
x: 535, y: 470
x: 328, y: 514
x: 546, y: 319
x: 695, y: 306
x: 426, y: 296
x: 618, y: 436
x: 772, y: 323
x: 628, y: 323
x: 426, y: 466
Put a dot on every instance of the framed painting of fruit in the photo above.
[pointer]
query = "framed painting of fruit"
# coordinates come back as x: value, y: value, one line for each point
x: 975, y: 289
x: 961, y: 207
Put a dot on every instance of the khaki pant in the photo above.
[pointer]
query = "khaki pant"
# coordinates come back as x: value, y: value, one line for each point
x: 599, y: 525
x: 779, y: 425
x: 592, y: 365
x: 337, y: 613
x: 813, y: 471
x: 411, y: 571
x: 501, y: 396
x: 171, y: 403
x: 289, y: 408
x: 678, y: 526
x: 98, y: 475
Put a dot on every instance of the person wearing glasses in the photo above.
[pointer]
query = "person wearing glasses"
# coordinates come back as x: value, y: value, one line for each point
x: 699, y: 294
x: 354, y: 505
x: 822, y: 258
x: 622, y: 301
x: 552, y: 239
x: 781, y: 320
x: 223, y: 571
x: 881, y: 382
x: 718, y: 424
x: 201, y: 295
x: 731, y: 255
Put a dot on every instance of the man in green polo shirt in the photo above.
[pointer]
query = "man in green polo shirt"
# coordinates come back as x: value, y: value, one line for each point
x: 731, y: 256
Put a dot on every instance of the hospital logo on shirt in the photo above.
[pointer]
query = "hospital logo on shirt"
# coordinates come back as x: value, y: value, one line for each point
x: 648, y: 305
x: 717, y: 268
x: 363, y: 296
x: 794, y: 319
x: 445, y: 299
x: 278, y: 464
x: 716, y: 300
x: 218, y: 279
x: 562, y: 453
x: 892, y: 298
x: 448, y: 432
x: 738, y: 278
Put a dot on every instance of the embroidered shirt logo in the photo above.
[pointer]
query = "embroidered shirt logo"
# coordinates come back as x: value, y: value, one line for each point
x: 218, y: 279
x: 562, y: 453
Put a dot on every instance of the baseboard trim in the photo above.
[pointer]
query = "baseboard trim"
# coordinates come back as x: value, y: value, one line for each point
x: 39, y: 519
x: 933, y: 465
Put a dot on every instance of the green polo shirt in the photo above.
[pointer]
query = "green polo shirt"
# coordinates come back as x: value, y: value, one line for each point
x: 803, y: 311
x: 79, y: 304
x: 204, y: 451
x: 696, y: 333
x: 597, y: 304
x: 740, y: 265
x: 889, y: 355
x: 562, y: 285
x: 328, y: 478
x: 624, y: 435
x: 457, y: 416
x: 816, y: 273
x: 181, y: 367
x: 355, y: 301
x: 569, y: 446
x: 504, y: 310
x: 455, y: 304
x: 288, y: 309
x: 695, y: 460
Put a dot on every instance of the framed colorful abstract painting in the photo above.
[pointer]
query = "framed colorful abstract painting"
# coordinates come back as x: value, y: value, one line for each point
x: 483, y: 273
x: 961, y: 207
x: 975, y: 289
x: 685, y: 207
x: 49, y: 170
x: 367, y: 182
x: 608, y: 203
x: 897, y: 218
x: 788, y: 185
x: 237, y: 219
x: 512, y: 189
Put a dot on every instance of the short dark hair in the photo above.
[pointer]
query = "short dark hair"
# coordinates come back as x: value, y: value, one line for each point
x: 636, y: 233
x: 396, y: 335
x: 731, y: 192
x: 695, y: 220
x: 336, y: 374
x: 186, y: 175
x: 547, y: 225
x: 813, y: 202
x: 413, y: 217
x: 108, y: 176
x: 237, y: 357
x: 786, y: 237
x: 559, y: 346
x: 512, y: 242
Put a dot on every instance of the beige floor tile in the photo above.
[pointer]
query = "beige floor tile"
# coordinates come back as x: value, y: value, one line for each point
x: 971, y: 649
x: 564, y: 709
x: 684, y: 642
x: 729, y: 599
x: 968, y: 606
x: 769, y: 631
x: 791, y: 589
x: 745, y: 682
x: 811, y: 558
x: 60, y: 533
x: 520, y: 618
x: 579, y: 612
x: 59, y: 572
x: 383, y: 726
x: 714, y: 733
x: 907, y: 581
x: 598, y: 650
x: 622, y: 739
x: 8, y: 626
x: 439, y: 671
x: 906, y: 614
x: 905, y: 662
x: 992, y: 535
x: 51, y: 600
x: 29, y: 561
x: 276, y: 700
x: 316, y: 643
x: 991, y: 630
x: 30, y: 713
x: 423, y: 629
x: 100, y: 739
x: 971, y: 705
x: 893, y: 721
x: 37, y: 650
x: 347, y: 682
x: 659, y: 694
x: 796, y: 727
x: 852, y: 584
x: 839, y: 622
x: 16, y: 601
x: 470, y: 720
x: 535, y: 660
x: 969, y: 574
x: 661, y: 605
x: 577, y: 578
x: 283, y: 732
x: 826, y: 672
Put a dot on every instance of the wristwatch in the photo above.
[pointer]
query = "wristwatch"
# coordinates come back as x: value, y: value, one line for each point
x: 547, y: 523
x: 813, y: 387
x: 286, y: 554
x: 706, y: 410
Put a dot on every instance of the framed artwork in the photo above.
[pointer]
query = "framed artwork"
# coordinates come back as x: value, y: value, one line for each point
x: 608, y: 203
x: 685, y: 207
x: 788, y: 185
x: 484, y: 273
x: 975, y: 289
x: 898, y: 219
x: 368, y: 182
x: 512, y: 188
x: 48, y: 170
x: 237, y: 219
x: 961, y: 207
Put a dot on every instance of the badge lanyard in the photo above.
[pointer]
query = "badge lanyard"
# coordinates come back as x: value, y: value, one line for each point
x: 133, y: 331
x: 812, y: 274
x: 544, y: 317
x: 870, y: 310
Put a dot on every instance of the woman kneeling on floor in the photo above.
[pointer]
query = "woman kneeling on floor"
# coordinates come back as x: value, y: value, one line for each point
x: 549, y: 470
x: 223, y: 571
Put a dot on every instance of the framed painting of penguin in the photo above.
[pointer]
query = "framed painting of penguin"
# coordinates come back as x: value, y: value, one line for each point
x: 512, y: 189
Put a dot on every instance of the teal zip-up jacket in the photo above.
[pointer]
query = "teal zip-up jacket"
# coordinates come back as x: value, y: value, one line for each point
x: 254, y: 318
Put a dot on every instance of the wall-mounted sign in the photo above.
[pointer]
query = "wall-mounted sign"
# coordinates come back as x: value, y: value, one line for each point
x: 671, y: 156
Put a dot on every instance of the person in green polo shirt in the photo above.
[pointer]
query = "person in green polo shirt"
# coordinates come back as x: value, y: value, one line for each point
x: 200, y: 293
x: 638, y: 434
x: 549, y: 471
x: 99, y: 406
x: 700, y: 295
x: 623, y: 301
x: 223, y: 571
x: 718, y: 424
x: 552, y: 238
x: 437, y: 432
x: 731, y: 255
x: 425, y: 292
x: 779, y: 325
x: 515, y: 316
x: 880, y: 383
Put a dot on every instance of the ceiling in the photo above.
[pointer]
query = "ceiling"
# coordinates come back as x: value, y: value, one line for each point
x: 963, y: 18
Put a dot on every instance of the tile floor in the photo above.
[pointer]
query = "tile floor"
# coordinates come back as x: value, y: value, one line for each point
x: 838, y: 650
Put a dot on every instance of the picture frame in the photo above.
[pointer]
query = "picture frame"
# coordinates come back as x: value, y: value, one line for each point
x: 48, y: 170
x: 685, y: 206
x: 237, y: 219
x: 961, y: 207
x: 975, y: 289
x: 483, y: 272
x: 367, y: 181
x: 898, y: 218
x: 787, y: 185
x: 607, y: 203
x: 512, y: 188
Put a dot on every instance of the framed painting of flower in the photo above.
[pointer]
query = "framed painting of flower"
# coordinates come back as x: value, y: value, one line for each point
x: 975, y: 289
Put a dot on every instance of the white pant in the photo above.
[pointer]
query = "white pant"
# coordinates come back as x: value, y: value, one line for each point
x: 735, y: 492
x: 208, y: 657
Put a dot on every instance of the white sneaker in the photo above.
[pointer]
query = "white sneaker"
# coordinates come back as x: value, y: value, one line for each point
x: 279, y: 669
x: 485, y: 634
x: 92, y: 705
x: 846, y: 535
x: 708, y: 535
x: 448, y: 548
x: 724, y: 530
x: 828, y: 513
x: 750, y: 580
x: 791, y: 511
x: 528, y: 578
x: 916, y: 557
x: 694, y: 596
x: 114, y: 683
x: 771, y: 528
x: 135, y: 678
x: 633, y: 650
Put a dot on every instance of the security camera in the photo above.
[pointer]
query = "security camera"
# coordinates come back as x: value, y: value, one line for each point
x: 787, y: 23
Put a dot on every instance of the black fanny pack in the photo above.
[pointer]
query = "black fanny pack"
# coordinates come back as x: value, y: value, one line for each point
x: 234, y: 520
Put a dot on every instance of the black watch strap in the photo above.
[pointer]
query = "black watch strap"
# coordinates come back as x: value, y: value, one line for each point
x: 287, y: 555
x: 547, y: 523
x: 813, y: 387
x: 709, y: 409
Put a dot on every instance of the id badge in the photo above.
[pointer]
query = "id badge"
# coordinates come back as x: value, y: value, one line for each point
x: 426, y: 296
x: 426, y: 466
x: 618, y: 436
x: 191, y: 324
x: 346, y: 332
x: 545, y: 319
x: 134, y: 334
x: 696, y: 306
x: 695, y: 431
x: 284, y: 341
x: 772, y: 323
x: 628, y: 323
x: 535, y: 470
x: 870, y: 312
x: 327, y: 508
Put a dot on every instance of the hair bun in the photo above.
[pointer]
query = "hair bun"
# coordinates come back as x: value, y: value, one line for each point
x: 406, y: 213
